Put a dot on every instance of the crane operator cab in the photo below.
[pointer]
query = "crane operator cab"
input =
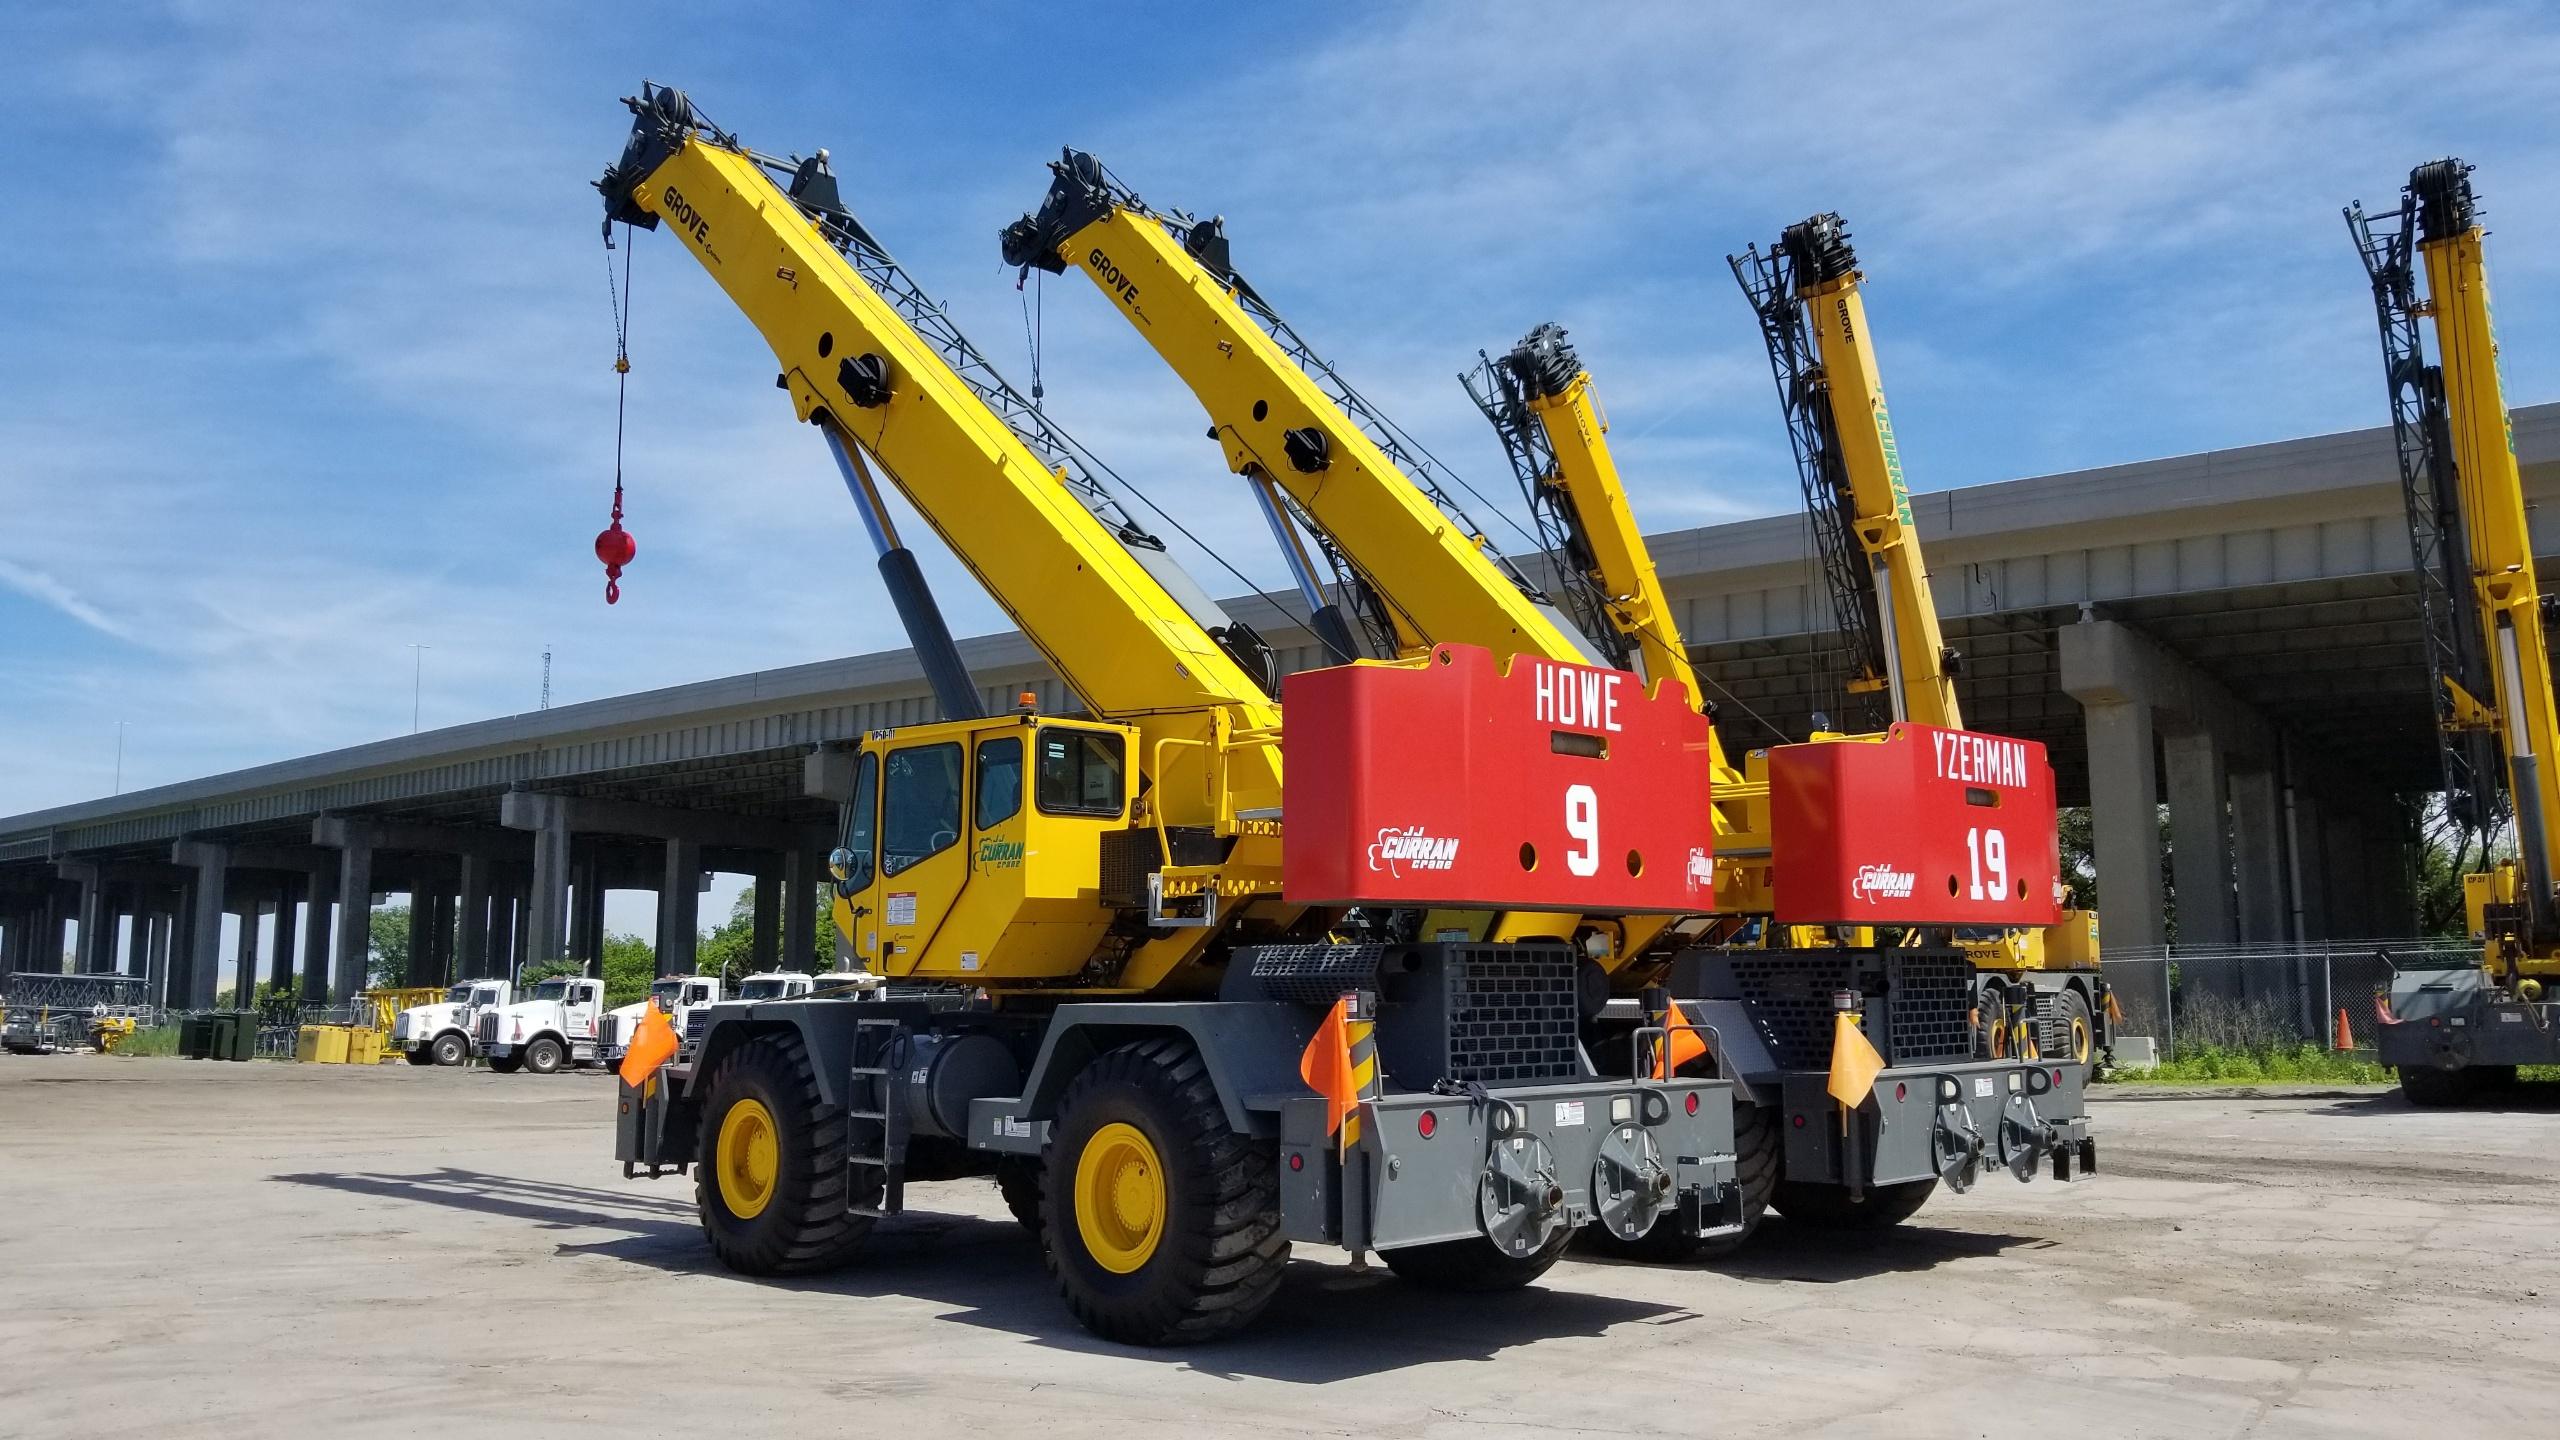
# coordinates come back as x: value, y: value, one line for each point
x: 974, y: 849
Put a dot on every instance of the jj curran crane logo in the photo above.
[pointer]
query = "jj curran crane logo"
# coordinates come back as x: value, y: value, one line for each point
x: 1882, y: 882
x: 1413, y: 848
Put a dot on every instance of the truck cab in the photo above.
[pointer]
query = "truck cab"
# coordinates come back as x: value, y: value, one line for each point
x: 440, y: 1033
x: 558, y: 1026
x: 678, y: 995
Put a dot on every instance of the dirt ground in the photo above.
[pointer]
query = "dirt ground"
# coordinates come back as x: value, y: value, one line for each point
x: 190, y: 1248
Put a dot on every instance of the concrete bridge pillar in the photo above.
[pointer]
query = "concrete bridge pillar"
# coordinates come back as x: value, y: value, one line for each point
x: 547, y: 905
x: 800, y: 871
x: 320, y: 894
x: 764, y: 942
x: 680, y: 907
x: 471, y: 926
x: 212, y: 864
x: 354, y: 938
x: 2131, y: 690
x: 159, y: 927
x: 2257, y: 845
x: 2200, y: 837
x: 500, y: 951
x: 244, y: 956
x: 2124, y: 788
x: 280, y: 939
x: 97, y: 919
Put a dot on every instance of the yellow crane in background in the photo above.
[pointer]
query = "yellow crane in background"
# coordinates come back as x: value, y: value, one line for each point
x: 2452, y: 1031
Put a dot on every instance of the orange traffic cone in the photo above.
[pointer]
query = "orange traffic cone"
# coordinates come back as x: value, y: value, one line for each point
x: 2346, y: 1037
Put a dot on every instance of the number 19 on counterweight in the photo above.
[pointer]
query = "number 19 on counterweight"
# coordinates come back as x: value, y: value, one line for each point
x: 1989, y: 852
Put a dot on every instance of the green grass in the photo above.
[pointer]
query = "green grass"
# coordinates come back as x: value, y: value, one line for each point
x: 160, y: 1041
x: 2298, y: 1065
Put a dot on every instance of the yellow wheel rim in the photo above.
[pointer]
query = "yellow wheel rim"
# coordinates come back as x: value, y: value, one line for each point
x: 2079, y: 1040
x: 1120, y: 1201
x: 749, y: 1158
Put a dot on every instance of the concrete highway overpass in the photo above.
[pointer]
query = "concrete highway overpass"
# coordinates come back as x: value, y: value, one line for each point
x: 2233, y: 634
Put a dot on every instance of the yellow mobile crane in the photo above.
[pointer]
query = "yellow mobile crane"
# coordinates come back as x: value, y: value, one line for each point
x: 1287, y: 420
x: 1188, y: 1054
x: 2041, y: 984
x: 2456, y: 1030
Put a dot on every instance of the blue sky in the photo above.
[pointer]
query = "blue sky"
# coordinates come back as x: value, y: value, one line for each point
x: 307, y: 348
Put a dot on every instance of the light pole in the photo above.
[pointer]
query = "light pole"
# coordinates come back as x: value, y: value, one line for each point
x: 417, y: 675
x: 119, y: 757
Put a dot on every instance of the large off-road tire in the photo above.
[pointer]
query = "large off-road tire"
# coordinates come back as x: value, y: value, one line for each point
x: 420, y: 1056
x: 2429, y: 1088
x: 507, y: 1064
x: 448, y: 1049
x: 772, y: 1181
x: 1828, y: 1207
x: 1474, y: 1267
x: 1755, y: 1167
x: 1162, y: 1224
x: 2079, y: 1030
x: 1023, y: 1184
x: 545, y: 1056
x: 1991, y: 1027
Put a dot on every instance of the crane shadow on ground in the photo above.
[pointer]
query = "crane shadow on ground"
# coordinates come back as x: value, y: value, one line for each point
x: 1328, y: 1322
x: 1781, y: 1252
x: 2525, y: 1097
x: 550, y: 1205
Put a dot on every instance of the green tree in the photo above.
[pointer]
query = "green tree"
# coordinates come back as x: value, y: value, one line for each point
x: 630, y: 963
x: 728, y: 951
x: 387, y: 961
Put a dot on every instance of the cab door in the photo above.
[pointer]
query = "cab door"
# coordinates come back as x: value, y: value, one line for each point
x: 585, y: 1005
x: 922, y: 863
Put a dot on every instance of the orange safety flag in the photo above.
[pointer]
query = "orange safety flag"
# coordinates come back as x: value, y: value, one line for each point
x: 1854, y: 1063
x: 1680, y: 1045
x: 652, y: 1046
x: 1330, y: 1070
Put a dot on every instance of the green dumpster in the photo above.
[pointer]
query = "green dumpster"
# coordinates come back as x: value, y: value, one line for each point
x: 244, y: 1036
x: 220, y: 1026
x: 195, y: 1036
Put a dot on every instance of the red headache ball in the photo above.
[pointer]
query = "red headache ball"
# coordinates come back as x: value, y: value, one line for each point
x: 615, y: 547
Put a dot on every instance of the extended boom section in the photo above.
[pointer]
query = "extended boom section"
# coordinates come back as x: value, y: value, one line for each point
x: 1176, y: 1046
x: 1170, y: 277
x: 2451, y: 1031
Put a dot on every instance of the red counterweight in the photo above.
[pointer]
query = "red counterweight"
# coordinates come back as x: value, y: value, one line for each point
x: 1923, y: 827
x: 1547, y: 787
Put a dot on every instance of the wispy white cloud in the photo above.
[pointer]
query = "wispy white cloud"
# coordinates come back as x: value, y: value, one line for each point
x: 37, y: 585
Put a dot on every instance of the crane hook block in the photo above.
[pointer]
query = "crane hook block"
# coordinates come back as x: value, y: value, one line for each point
x: 615, y: 547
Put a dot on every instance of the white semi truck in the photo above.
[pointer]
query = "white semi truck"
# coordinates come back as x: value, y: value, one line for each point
x: 678, y: 995
x: 440, y: 1034
x: 556, y: 1027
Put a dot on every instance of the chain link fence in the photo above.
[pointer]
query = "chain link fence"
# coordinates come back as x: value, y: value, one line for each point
x: 2259, y: 997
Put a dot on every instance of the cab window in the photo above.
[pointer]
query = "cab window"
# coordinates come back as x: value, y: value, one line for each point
x: 860, y: 815
x: 920, y: 816
x: 999, y: 780
x: 1079, y: 773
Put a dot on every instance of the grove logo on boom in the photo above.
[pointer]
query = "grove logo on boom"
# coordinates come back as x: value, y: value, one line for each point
x: 1882, y: 882
x: 1414, y: 848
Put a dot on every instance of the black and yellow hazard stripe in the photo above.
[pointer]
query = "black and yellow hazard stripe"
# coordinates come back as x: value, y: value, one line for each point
x: 1364, y: 1073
